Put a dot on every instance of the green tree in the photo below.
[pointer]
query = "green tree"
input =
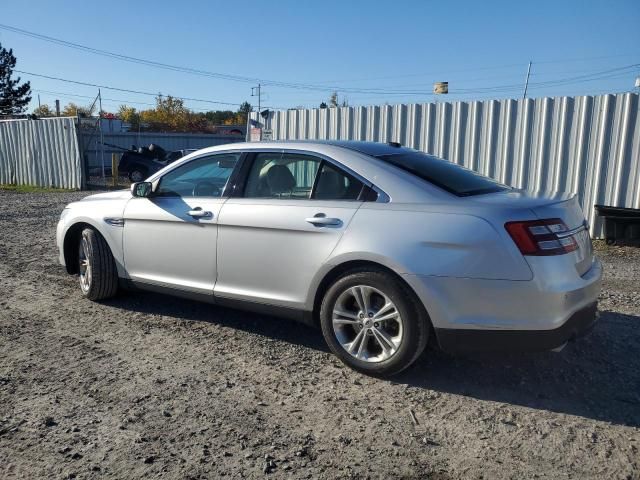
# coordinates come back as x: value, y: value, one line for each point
x: 243, y: 114
x: 323, y: 105
x: 170, y: 114
x: 245, y: 108
x: 219, y: 117
x: 129, y: 115
x: 72, y: 110
x: 43, y: 111
x: 14, y: 97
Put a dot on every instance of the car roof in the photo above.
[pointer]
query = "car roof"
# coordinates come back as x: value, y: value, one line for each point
x: 396, y: 183
x: 374, y: 149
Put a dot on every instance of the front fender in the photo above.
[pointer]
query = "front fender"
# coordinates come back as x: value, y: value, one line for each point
x: 74, y: 221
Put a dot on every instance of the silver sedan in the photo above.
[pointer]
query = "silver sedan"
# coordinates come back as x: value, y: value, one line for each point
x: 383, y: 247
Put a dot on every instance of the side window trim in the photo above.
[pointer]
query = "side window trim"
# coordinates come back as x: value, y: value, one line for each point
x: 236, y: 176
x: 312, y: 193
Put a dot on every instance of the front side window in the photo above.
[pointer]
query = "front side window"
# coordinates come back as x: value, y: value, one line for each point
x: 451, y: 177
x: 201, y: 177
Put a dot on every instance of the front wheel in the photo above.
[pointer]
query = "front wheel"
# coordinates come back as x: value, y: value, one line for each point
x: 97, y: 269
x: 373, y: 322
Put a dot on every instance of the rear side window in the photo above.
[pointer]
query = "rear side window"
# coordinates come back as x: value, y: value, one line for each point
x: 333, y: 184
x: 277, y: 175
x: 299, y: 176
x: 446, y: 175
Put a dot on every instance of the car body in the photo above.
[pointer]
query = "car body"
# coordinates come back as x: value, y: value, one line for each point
x: 479, y: 265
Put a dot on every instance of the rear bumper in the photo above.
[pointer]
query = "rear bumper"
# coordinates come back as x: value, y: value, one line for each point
x: 457, y: 340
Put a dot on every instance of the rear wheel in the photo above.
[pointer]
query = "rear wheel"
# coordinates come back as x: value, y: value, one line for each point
x: 373, y: 322
x: 97, y: 269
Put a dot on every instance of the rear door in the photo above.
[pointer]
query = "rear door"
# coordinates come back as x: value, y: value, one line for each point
x: 272, y: 240
x: 170, y: 238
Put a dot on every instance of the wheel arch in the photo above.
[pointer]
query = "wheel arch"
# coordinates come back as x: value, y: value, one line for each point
x: 71, y: 243
x: 338, y: 270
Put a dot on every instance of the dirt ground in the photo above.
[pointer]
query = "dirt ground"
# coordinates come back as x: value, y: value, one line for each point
x: 151, y: 386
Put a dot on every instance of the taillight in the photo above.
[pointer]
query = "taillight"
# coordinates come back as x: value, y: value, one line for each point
x: 542, y: 237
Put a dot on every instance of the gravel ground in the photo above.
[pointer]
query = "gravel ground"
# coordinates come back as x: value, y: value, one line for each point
x: 147, y: 385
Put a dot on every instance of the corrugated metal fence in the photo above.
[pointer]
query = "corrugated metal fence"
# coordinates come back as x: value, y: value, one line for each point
x: 50, y: 152
x: 585, y: 145
x: 40, y: 152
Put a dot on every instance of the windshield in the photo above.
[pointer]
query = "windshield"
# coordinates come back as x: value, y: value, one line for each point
x: 449, y: 176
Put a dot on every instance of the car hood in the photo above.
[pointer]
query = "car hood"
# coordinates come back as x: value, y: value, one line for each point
x: 118, y: 194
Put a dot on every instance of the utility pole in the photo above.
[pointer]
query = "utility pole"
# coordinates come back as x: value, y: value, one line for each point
x: 101, y: 136
x: 526, y: 83
x: 38, y: 101
x: 57, y: 108
x: 256, y: 91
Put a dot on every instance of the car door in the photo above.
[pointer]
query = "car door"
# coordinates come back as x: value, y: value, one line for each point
x: 170, y: 237
x: 272, y: 240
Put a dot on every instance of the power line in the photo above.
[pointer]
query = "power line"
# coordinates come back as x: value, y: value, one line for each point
x: 239, y: 78
x: 611, y: 73
x: 446, y: 73
x: 139, y: 92
x: 67, y: 95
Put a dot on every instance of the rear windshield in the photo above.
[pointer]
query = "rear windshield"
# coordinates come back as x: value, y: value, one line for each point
x: 449, y: 176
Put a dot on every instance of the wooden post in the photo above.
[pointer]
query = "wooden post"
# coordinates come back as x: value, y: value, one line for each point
x: 114, y: 169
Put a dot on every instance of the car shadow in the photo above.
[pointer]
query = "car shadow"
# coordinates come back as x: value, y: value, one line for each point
x: 596, y: 377
x: 277, y: 328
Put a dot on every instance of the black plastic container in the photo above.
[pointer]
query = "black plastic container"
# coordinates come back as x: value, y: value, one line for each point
x: 621, y: 225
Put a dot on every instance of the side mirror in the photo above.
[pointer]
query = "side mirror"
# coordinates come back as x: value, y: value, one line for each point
x: 141, y: 189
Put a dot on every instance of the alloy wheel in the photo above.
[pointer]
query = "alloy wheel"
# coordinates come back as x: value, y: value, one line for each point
x: 367, y: 324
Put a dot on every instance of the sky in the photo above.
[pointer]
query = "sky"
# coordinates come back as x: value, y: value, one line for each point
x: 370, y: 52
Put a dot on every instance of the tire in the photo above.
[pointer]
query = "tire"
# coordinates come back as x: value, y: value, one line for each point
x: 137, y: 174
x: 94, y: 257
x: 405, y: 334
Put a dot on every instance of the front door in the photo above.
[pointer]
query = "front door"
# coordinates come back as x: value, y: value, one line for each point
x: 170, y: 237
x: 272, y: 241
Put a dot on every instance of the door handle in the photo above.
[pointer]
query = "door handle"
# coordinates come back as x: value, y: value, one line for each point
x: 199, y: 213
x: 320, y: 220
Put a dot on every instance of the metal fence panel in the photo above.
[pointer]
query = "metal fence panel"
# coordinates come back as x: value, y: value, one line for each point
x: 586, y: 145
x: 40, y: 152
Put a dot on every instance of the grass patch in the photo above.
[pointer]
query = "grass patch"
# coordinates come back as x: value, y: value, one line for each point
x: 33, y: 189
